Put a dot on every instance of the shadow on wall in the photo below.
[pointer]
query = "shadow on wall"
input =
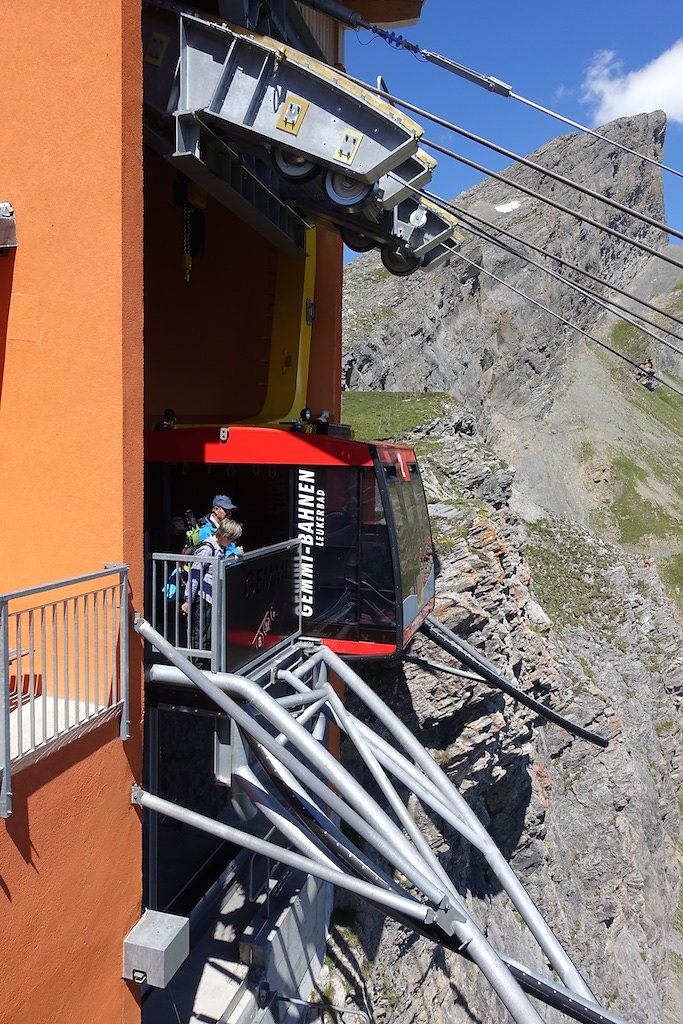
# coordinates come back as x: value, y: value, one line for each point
x: 6, y: 275
x: 27, y: 782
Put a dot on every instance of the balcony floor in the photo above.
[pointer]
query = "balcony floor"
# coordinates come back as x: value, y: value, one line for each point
x: 52, y: 727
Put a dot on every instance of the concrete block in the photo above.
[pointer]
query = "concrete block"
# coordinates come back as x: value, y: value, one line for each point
x: 156, y: 947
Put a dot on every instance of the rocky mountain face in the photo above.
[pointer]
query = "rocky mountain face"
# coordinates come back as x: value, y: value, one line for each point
x: 533, y: 574
x: 562, y: 410
x: 458, y: 330
x: 592, y: 833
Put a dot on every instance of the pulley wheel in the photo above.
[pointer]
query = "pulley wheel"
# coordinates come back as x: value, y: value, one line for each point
x: 356, y: 240
x: 400, y: 263
x: 293, y: 167
x: 348, y: 192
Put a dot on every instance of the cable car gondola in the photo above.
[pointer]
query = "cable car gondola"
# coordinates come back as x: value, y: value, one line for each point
x: 359, y: 509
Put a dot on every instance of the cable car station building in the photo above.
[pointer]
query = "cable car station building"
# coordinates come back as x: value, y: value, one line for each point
x: 175, y: 186
x: 152, y: 257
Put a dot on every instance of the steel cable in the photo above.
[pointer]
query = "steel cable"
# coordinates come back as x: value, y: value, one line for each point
x: 451, y: 207
x: 568, y: 323
x: 552, y: 202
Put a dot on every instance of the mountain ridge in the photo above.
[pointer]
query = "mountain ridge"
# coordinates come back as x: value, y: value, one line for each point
x: 591, y: 834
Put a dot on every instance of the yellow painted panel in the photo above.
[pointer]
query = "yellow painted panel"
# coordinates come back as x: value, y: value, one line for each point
x: 290, y: 346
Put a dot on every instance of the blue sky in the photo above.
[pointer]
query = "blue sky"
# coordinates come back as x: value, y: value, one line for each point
x: 590, y: 61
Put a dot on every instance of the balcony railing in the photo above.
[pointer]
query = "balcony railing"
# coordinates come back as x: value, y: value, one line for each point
x: 63, y: 666
x: 255, y: 605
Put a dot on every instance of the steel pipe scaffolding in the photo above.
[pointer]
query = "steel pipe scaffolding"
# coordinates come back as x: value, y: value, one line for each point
x: 308, y: 796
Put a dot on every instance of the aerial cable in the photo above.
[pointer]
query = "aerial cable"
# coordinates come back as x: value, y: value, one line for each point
x: 566, y: 322
x: 602, y: 303
x: 607, y: 304
x: 596, y: 135
x: 488, y: 82
x: 552, y: 202
x: 465, y: 215
x: 523, y: 188
x: 563, y: 320
x: 460, y: 212
x: 563, y: 280
x: 524, y: 161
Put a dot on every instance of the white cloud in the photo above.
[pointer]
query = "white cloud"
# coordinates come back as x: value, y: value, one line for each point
x: 562, y: 93
x: 656, y: 86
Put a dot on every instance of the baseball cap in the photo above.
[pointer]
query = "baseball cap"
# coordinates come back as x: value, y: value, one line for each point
x: 222, y: 501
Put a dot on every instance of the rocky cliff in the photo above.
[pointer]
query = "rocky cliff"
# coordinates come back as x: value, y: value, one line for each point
x: 577, y: 619
x: 592, y: 834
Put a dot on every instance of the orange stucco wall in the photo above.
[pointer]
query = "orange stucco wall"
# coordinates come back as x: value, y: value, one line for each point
x: 71, y: 387
x: 71, y: 457
x: 69, y: 887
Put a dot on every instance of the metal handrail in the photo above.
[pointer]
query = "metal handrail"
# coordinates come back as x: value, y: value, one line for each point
x: 69, y: 658
x: 169, y: 620
x: 70, y: 582
x: 186, y: 630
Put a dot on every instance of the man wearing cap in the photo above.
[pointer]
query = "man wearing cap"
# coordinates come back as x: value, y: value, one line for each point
x: 221, y: 509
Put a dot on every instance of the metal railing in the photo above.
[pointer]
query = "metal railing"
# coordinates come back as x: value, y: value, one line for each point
x: 189, y: 625
x: 254, y: 606
x: 63, y: 666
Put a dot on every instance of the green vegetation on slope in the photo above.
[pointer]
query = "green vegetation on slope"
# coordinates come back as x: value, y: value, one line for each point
x: 366, y: 318
x: 630, y: 341
x: 648, y: 477
x: 636, y: 516
x: 390, y: 415
x: 662, y: 406
x: 571, y: 577
x: 671, y: 572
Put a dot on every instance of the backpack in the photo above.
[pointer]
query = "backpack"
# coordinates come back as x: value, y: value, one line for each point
x: 175, y: 583
x: 195, y: 535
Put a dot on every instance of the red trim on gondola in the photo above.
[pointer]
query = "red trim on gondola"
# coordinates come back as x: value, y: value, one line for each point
x: 254, y: 445
x: 360, y: 648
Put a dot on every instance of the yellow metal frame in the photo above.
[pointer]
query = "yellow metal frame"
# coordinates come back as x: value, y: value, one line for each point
x: 290, y: 343
x: 445, y: 215
x: 427, y: 161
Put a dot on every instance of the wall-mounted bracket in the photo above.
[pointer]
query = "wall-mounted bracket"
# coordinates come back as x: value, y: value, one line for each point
x: 8, y: 229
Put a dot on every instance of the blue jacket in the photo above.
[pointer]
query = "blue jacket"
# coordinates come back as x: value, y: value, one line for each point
x: 206, y: 529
